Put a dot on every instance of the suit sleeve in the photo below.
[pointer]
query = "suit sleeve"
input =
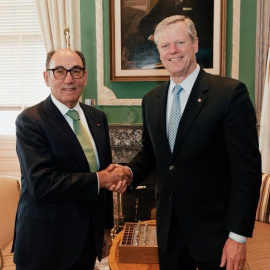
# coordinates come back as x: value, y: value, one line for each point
x: 245, y: 162
x: 109, y: 195
x: 144, y: 162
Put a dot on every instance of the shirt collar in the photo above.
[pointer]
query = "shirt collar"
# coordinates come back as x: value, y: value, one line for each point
x: 63, y: 108
x: 188, y: 82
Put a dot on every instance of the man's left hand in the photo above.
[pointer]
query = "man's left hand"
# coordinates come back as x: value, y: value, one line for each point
x: 107, y: 243
x: 233, y: 255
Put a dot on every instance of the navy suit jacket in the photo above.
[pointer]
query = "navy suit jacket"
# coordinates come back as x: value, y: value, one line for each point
x: 212, y: 178
x: 59, y: 202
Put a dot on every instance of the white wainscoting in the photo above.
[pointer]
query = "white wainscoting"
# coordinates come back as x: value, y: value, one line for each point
x: 9, y: 163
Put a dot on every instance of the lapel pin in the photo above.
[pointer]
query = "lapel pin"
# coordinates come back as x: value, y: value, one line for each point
x: 98, y: 124
x: 199, y: 100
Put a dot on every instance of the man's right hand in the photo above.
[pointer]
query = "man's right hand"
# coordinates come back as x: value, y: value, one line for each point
x: 115, y: 178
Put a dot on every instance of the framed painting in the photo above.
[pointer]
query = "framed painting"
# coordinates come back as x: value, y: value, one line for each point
x: 133, y: 53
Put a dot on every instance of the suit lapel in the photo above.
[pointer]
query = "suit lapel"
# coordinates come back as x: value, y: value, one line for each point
x: 195, y: 103
x: 161, y: 108
x: 61, y: 127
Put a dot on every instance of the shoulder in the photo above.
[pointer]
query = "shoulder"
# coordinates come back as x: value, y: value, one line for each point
x: 33, y: 112
x: 220, y: 87
x: 31, y: 119
x: 157, y: 90
x: 42, y: 110
x: 223, y: 82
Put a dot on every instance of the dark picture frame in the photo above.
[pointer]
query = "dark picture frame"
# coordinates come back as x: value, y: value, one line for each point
x: 133, y: 57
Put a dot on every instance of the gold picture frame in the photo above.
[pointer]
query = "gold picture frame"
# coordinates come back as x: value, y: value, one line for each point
x: 132, y: 55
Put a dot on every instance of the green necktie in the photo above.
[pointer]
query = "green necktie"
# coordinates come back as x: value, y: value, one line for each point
x: 84, y: 139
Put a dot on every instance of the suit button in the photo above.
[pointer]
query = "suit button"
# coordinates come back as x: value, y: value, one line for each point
x: 171, y: 168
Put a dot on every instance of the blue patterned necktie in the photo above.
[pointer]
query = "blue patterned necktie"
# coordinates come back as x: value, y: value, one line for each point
x: 175, y: 116
x: 84, y: 139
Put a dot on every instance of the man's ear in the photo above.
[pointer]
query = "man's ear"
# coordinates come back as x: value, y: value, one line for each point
x: 46, y: 78
x: 85, y: 77
x: 196, y: 45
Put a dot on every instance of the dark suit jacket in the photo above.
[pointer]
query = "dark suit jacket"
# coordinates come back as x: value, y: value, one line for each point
x: 212, y: 179
x: 59, y: 202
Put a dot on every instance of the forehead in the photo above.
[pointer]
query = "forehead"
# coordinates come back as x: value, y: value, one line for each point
x: 174, y: 32
x: 65, y: 58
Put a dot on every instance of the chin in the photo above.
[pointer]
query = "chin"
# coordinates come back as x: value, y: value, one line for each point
x: 176, y: 72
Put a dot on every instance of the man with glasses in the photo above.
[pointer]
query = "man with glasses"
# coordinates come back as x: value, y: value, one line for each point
x: 65, y: 211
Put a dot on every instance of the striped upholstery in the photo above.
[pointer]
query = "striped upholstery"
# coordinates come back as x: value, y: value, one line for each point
x: 258, y: 248
x: 263, y: 210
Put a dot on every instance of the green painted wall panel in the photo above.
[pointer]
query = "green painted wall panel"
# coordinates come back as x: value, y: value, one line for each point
x: 138, y: 89
x: 248, y: 45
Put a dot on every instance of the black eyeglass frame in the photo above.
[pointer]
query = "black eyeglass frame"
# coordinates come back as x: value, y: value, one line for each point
x: 67, y: 71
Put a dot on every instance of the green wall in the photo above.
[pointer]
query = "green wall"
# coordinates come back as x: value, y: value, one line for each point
x: 126, y: 90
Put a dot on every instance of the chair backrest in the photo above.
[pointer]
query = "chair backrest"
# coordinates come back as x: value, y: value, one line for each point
x: 263, y: 209
x: 9, y: 198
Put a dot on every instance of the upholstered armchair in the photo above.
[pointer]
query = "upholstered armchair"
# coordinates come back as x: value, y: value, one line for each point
x: 9, y: 197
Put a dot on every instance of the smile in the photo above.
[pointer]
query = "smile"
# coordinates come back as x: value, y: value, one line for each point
x: 69, y: 89
x: 175, y: 59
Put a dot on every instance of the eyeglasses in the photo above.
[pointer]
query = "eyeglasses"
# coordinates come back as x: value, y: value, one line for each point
x: 60, y: 73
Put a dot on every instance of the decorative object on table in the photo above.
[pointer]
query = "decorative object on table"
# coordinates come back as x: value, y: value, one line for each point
x: 139, y: 243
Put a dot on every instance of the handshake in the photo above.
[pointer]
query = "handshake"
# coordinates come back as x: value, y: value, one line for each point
x: 115, y: 178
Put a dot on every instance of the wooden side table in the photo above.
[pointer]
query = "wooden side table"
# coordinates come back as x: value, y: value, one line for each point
x: 114, y: 263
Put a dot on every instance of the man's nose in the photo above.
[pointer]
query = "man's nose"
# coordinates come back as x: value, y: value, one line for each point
x: 173, y: 48
x: 68, y: 77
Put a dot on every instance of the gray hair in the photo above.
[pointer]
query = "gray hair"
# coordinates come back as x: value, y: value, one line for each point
x: 175, y: 19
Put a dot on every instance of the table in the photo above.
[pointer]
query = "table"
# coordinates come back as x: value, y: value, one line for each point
x: 116, y: 265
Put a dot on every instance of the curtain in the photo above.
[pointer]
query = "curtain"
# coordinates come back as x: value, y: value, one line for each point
x: 262, y: 81
x: 264, y: 139
x: 23, y: 57
x: 54, y: 17
x: 262, y: 44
